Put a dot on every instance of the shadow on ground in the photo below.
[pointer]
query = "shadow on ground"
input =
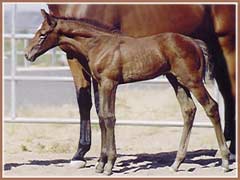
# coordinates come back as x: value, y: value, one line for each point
x: 138, y: 162
x: 57, y: 162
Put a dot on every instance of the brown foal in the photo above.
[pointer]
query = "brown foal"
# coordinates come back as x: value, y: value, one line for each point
x: 113, y: 58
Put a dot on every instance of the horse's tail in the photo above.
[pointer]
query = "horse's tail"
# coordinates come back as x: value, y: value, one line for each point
x: 208, y: 65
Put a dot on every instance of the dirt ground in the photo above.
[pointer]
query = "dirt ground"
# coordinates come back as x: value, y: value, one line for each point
x: 45, y: 150
x: 40, y: 150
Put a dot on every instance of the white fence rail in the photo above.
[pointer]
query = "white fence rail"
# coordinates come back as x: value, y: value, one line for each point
x: 13, y: 78
x: 94, y: 121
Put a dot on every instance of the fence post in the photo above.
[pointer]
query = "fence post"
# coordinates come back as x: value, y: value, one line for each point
x: 13, y: 63
x: 53, y: 57
x: 25, y: 43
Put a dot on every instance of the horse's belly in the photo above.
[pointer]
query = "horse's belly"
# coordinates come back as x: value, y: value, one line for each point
x: 142, y: 64
x: 148, y: 20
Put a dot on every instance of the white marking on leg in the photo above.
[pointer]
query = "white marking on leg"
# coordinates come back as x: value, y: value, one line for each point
x: 78, y: 164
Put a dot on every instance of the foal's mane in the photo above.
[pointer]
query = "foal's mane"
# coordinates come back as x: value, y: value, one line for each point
x: 94, y: 24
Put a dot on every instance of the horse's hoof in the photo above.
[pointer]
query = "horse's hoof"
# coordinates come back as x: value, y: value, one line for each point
x: 99, y: 167
x: 225, y: 169
x: 78, y: 164
x: 225, y: 165
x: 108, y: 170
x: 172, y: 168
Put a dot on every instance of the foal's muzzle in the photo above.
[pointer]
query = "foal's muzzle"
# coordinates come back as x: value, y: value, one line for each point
x: 32, y: 54
x: 29, y: 57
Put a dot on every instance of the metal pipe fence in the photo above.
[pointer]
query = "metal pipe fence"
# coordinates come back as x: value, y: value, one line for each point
x: 13, y: 78
x: 13, y: 67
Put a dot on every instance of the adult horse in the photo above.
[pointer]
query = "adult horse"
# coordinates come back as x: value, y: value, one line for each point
x: 214, y: 24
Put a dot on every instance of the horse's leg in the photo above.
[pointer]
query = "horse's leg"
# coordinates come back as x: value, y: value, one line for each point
x: 83, y: 90
x: 188, y: 109
x: 224, y: 85
x: 103, y: 155
x: 211, y: 109
x: 224, y: 27
x: 229, y: 105
x: 229, y: 54
x: 228, y: 48
x: 107, y: 94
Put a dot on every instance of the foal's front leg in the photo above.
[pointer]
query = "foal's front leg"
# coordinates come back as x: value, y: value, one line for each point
x: 107, y: 94
x: 103, y: 155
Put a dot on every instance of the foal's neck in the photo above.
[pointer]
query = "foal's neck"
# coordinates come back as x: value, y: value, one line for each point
x: 78, y: 28
x: 80, y: 35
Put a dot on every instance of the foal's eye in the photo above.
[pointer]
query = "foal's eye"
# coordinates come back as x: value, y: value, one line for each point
x: 42, y: 36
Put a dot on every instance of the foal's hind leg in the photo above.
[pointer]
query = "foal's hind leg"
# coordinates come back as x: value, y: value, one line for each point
x: 211, y: 109
x: 188, y: 111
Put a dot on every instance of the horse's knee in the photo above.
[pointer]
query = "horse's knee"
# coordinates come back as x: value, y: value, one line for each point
x: 110, y: 121
x: 107, y: 119
x: 101, y: 122
x: 84, y: 98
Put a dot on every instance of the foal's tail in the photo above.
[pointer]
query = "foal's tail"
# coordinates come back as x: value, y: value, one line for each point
x: 208, y: 65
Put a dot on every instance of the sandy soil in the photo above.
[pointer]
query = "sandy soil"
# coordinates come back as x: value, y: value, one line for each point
x: 45, y: 150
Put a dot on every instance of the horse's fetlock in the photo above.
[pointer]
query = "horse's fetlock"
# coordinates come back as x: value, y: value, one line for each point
x: 112, y: 155
x: 103, y: 156
x: 225, y: 153
x: 180, y: 157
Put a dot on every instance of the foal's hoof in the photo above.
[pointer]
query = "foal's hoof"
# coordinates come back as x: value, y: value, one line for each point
x: 99, y: 167
x: 78, y: 164
x: 172, y: 168
x: 225, y: 165
x: 108, y: 169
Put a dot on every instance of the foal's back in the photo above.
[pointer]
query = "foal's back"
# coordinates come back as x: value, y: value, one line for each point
x: 149, y: 57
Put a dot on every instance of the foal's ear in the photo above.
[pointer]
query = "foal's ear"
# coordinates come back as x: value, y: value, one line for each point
x: 50, y: 19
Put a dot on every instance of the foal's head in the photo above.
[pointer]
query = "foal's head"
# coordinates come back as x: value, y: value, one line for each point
x: 45, y: 38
